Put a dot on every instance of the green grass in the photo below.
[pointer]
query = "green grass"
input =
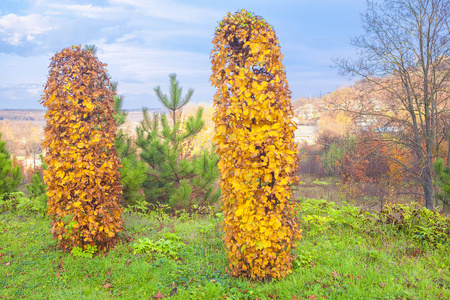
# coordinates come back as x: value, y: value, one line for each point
x: 334, y: 261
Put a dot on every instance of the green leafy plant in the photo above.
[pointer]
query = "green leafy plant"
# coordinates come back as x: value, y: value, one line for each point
x: 88, y: 252
x: 16, y: 202
x: 168, y: 246
x: 320, y: 182
x: 304, y: 258
x: 320, y: 216
x: 139, y: 206
x: 427, y: 226
x: 12, y: 201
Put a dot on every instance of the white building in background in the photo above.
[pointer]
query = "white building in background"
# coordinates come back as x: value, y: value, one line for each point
x: 306, y: 133
x: 306, y: 112
x: 28, y: 163
x: 306, y: 119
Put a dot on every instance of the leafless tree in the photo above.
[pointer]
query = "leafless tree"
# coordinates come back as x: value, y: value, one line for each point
x: 403, y: 59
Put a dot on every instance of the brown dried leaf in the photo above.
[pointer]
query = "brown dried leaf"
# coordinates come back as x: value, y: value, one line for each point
x: 158, y: 295
x: 107, y: 286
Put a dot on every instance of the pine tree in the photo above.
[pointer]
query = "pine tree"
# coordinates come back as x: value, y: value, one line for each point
x: 10, y: 176
x: 38, y: 189
x: 133, y: 170
x: 443, y: 180
x: 174, y: 176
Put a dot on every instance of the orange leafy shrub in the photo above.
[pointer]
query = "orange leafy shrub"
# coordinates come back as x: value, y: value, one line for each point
x: 373, y: 168
x: 254, y: 135
x: 83, y: 182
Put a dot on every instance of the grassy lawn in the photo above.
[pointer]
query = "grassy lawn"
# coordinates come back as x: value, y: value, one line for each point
x: 333, y: 261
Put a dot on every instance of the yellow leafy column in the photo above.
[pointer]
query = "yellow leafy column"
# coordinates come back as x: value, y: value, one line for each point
x: 83, y: 182
x: 254, y: 135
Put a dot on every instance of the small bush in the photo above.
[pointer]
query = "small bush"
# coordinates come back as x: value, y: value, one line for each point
x: 169, y: 246
x: 10, y: 201
x: 415, y: 221
x: 423, y: 224
x: 320, y: 215
x: 17, y: 203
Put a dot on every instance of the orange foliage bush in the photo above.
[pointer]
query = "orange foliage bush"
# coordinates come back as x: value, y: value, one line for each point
x: 375, y: 160
x: 367, y: 162
x: 83, y: 182
x: 374, y: 168
x: 254, y: 134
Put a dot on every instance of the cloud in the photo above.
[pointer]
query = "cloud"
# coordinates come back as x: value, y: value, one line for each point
x: 20, y: 95
x: 143, y: 41
x: 126, y: 37
x: 87, y: 11
x: 14, y: 29
x: 171, y: 10
x: 144, y: 64
x: 139, y: 69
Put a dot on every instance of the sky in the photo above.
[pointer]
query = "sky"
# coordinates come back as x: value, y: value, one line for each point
x: 143, y: 41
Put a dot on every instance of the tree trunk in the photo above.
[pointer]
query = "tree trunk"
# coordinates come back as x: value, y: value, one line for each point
x: 446, y: 200
x: 428, y: 170
x: 429, y: 199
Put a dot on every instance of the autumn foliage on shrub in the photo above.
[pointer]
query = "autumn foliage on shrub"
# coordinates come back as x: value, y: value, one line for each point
x: 254, y: 137
x: 367, y: 160
x: 83, y: 182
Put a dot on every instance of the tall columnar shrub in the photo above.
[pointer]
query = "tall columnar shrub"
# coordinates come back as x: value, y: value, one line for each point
x: 83, y: 182
x: 10, y: 176
x: 254, y: 134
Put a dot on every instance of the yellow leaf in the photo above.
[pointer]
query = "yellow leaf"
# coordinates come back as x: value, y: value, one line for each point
x: 266, y: 244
